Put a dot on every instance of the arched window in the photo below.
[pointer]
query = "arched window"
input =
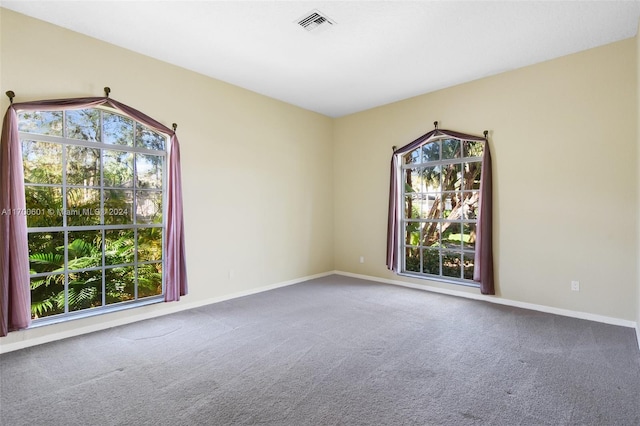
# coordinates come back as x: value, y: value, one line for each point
x: 437, y: 188
x: 441, y: 192
x: 94, y: 187
x: 91, y: 216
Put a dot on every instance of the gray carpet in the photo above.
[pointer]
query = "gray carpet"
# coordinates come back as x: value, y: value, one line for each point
x: 332, y: 351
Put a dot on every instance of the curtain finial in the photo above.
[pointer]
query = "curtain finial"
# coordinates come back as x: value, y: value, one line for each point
x: 435, y: 124
x: 11, y: 94
x: 175, y: 126
x: 394, y: 148
x: 486, y: 134
x: 107, y: 90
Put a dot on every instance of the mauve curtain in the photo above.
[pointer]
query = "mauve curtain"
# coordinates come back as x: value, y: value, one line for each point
x: 15, y: 294
x: 15, y: 305
x: 483, y: 262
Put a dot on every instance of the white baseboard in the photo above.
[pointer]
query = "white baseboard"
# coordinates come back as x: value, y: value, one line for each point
x: 168, y: 308
x: 180, y: 306
x: 501, y: 301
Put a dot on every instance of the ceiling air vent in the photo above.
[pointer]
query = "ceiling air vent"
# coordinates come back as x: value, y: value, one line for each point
x: 314, y: 19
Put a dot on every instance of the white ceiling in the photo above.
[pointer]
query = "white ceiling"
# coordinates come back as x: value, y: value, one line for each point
x: 378, y: 52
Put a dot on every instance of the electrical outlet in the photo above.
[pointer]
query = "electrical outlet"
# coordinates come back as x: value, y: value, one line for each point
x: 575, y: 285
x: 361, y: 259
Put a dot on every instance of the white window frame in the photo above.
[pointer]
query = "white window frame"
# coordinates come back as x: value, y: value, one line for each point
x: 67, y: 141
x: 404, y: 221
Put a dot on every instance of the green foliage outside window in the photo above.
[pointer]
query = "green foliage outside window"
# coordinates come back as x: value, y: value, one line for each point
x: 94, y: 209
x: 441, y: 196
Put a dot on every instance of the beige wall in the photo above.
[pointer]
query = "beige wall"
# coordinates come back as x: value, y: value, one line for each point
x: 276, y: 193
x: 563, y: 140
x: 258, y: 190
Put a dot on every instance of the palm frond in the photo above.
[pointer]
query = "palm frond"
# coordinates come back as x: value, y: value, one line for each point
x: 84, y: 262
x: 48, y: 259
x: 39, y: 308
x: 81, y: 248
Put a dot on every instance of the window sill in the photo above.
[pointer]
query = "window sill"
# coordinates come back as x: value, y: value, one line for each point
x: 87, y: 313
x: 472, y: 284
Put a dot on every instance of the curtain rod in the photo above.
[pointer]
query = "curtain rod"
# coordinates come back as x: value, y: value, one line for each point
x: 435, y: 125
x: 11, y: 94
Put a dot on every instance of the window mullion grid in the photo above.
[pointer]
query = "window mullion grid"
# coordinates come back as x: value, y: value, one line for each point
x: 404, y: 224
x: 134, y: 217
x: 461, y: 251
x: 440, y: 253
x: 460, y: 223
x: 461, y: 255
x: 102, y: 228
x: 65, y: 269
x: 442, y: 207
x: 89, y: 144
x: 420, y: 249
x: 102, y: 221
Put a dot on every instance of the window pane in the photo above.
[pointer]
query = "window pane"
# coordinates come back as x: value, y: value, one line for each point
x: 431, y: 234
x: 411, y: 180
x: 412, y: 233
x: 431, y: 151
x: 118, y: 168
x: 412, y: 259
x: 416, y: 180
x: 46, y: 251
x: 146, y: 138
x: 473, y: 149
x: 412, y: 157
x: 149, y: 244
x: 432, y: 178
x: 84, y: 249
x: 451, y: 149
x: 468, y: 266
x: 85, y: 290
x: 46, y: 202
x: 149, y: 280
x: 120, y: 284
x: 118, y: 207
x: 472, y: 175
x: 451, y: 205
x: 119, y: 246
x: 452, y: 177
x: 470, y: 204
x: 47, y: 296
x: 83, y: 206
x: 83, y: 166
x: 149, y: 207
x: 434, y: 202
x: 451, y: 235
x: 83, y: 124
x: 451, y: 265
x: 431, y: 206
x: 431, y: 262
x: 40, y: 122
x: 118, y: 130
x: 424, y: 205
x: 469, y: 236
x: 149, y: 171
x: 42, y: 162
x: 410, y: 207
